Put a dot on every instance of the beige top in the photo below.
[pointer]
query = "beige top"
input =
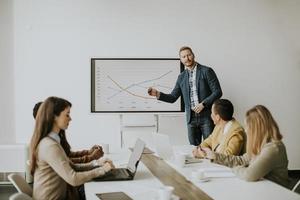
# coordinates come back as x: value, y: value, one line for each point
x: 270, y: 163
x: 54, y: 170
x: 231, y: 143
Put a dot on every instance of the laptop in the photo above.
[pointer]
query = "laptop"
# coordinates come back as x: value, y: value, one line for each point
x: 128, y: 173
x: 163, y: 146
x: 164, y: 149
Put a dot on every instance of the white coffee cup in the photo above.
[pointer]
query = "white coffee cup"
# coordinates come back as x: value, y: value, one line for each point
x: 165, y: 192
x: 198, y: 175
x: 105, y: 148
x: 180, y: 159
x: 194, y: 176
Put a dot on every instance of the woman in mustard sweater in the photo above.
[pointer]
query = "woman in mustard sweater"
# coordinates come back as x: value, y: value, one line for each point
x: 266, y: 154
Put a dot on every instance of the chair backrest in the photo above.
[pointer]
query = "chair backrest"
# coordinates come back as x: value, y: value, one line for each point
x: 20, y: 196
x: 20, y: 184
x: 29, y: 178
x: 296, y: 188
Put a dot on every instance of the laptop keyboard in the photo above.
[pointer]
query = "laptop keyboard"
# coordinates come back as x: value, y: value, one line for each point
x: 119, y: 172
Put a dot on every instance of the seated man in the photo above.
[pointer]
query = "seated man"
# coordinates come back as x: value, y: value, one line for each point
x: 228, y: 136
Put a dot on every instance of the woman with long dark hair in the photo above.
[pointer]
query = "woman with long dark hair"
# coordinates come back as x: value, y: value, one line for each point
x: 50, y: 165
x: 83, y: 156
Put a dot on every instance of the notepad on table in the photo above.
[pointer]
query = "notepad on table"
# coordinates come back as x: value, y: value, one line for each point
x: 218, y: 172
x: 113, y: 196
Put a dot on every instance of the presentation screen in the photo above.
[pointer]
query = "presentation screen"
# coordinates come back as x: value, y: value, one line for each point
x: 121, y: 84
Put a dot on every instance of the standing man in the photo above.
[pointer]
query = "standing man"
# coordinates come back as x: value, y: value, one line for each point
x: 199, y: 87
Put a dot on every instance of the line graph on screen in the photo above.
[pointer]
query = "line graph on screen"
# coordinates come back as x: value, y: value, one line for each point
x: 120, y: 85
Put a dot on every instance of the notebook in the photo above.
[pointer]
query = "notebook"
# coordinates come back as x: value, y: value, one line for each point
x: 218, y: 172
x: 128, y: 173
x: 113, y: 196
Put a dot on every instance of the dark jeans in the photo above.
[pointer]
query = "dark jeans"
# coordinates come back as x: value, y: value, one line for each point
x: 81, y: 192
x: 198, y: 127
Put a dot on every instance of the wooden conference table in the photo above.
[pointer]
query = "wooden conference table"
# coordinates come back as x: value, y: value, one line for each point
x: 153, y: 173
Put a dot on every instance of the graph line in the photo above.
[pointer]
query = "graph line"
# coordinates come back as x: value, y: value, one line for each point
x: 146, y: 81
x: 138, y: 84
x: 125, y: 90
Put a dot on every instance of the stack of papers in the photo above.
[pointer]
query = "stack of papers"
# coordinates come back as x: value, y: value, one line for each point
x: 218, y: 172
x: 191, y: 159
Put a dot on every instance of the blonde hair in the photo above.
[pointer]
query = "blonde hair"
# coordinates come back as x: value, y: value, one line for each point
x: 261, y: 129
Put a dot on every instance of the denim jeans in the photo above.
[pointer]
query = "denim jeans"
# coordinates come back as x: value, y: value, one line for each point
x: 81, y: 192
x: 198, y: 127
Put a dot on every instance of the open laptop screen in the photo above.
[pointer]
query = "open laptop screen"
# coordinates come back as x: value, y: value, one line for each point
x: 136, y: 155
x: 164, y: 148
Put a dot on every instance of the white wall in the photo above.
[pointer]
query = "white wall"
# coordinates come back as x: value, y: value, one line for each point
x: 7, y: 130
x: 253, y: 46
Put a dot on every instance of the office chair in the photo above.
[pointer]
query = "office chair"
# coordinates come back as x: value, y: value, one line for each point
x: 20, y: 184
x: 28, y: 176
x: 296, y: 188
x: 20, y: 196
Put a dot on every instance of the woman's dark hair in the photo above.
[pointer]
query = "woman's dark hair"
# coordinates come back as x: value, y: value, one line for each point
x: 224, y: 108
x: 36, y: 108
x: 63, y: 140
x: 45, y: 116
